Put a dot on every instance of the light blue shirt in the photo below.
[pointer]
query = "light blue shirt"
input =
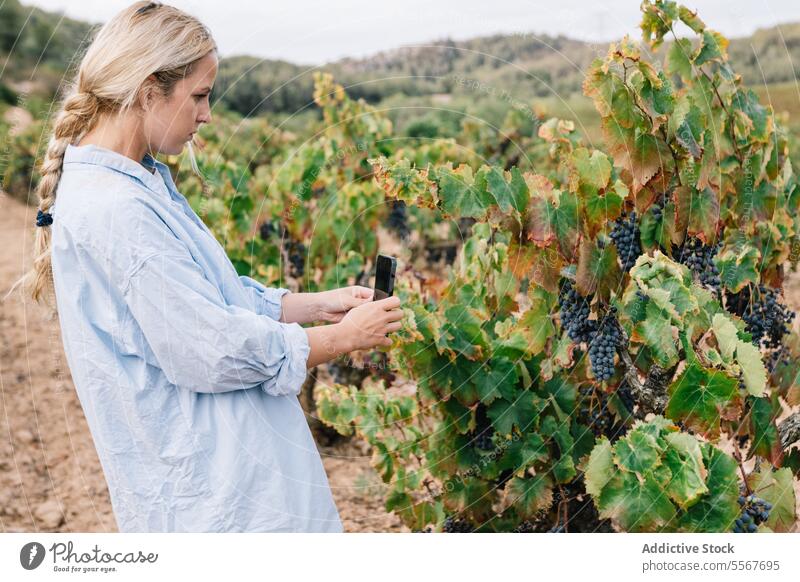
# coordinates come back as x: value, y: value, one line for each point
x: 188, y: 380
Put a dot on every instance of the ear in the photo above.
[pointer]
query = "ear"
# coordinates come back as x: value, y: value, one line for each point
x: 147, y: 93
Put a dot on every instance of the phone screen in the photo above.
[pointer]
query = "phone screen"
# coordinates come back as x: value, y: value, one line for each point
x: 384, y: 277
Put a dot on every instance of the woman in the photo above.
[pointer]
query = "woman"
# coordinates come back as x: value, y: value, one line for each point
x: 188, y: 374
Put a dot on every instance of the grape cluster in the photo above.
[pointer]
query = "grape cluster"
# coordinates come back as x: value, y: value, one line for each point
x: 777, y: 358
x: 575, y: 314
x: 459, y: 525
x: 658, y: 208
x: 266, y: 230
x: 465, y: 225
x: 398, y: 219
x: 625, y: 235
x: 603, y: 347
x: 481, y: 437
x: 345, y: 374
x: 766, y: 317
x: 441, y: 252
x: 297, y: 258
x: 699, y: 258
x: 755, y: 511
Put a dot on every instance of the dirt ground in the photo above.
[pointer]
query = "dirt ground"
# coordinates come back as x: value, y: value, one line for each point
x: 50, y: 476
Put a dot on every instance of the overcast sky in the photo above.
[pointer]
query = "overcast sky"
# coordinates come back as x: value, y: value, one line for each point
x: 315, y: 32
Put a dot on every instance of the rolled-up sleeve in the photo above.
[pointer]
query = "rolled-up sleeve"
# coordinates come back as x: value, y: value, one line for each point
x: 266, y: 299
x: 204, y: 344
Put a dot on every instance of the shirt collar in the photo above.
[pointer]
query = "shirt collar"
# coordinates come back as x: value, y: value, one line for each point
x: 100, y: 156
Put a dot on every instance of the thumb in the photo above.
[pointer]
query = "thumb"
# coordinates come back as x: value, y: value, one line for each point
x: 361, y: 292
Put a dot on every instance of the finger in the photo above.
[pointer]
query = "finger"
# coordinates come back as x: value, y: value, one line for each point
x: 352, y: 301
x: 360, y: 292
x: 389, y: 303
x: 394, y: 326
x: 386, y: 342
x: 336, y: 317
x: 394, y: 315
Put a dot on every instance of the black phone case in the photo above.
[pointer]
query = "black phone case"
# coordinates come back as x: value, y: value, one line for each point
x: 384, y: 277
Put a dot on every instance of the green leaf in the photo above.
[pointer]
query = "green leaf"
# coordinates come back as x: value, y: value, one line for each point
x: 726, y: 334
x: 702, y: 397
x: 716, y: 510
x: 592, y: 170
x: 689, y: 132
x: 521, y: 413
x: 766, y: 441
x: 691, y: 19
x: 638, y: 452
x: 509, y: 196
x: 529, y: 495
x: 679, y: 58
x: 468, y: 493
x: 697, y: 212
x: 636, y: 504
x: 527, y: 335
x: 776, y: 487
x: 642, y: 156
x: 461, y: 194
x: 714, y: 48
x: 685, y: 460
x: 598, y: 270
x: 600, y: 209
x: 499, y: 380
x: 753, y: 370
x: 519, y: 190
x: 655, y: 331
x: 565, y: 223
x: 600, y: 468
x: 521, y: 453
x: 739, y: 266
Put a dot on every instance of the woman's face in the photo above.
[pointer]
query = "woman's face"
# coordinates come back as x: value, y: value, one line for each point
x: 172, y: 122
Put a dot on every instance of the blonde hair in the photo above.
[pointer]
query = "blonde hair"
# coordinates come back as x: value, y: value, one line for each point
x: 147, y: 38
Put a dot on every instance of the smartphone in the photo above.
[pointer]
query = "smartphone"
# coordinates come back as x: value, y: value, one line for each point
x: 384, y: 277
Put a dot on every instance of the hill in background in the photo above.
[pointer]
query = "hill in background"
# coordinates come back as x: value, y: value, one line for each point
x: 40, y: 47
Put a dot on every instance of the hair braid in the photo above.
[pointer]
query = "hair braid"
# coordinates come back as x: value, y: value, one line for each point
x: 78, y: 113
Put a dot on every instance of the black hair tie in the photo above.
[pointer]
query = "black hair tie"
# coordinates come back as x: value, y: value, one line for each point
x: 44, y: 218
x: 147, y: 7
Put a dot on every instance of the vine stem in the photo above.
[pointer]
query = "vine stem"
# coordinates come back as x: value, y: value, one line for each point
x: 738, y: 456
x: 631, y: 373
x: 789, y: 430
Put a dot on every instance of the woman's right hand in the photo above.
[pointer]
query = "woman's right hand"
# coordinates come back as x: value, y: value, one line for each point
x: 366, y: 326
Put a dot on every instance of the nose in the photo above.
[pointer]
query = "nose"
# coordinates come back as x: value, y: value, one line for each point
x: 205, y: 116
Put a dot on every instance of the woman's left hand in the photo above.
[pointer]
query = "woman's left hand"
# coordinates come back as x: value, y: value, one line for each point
x: 333, y: 305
